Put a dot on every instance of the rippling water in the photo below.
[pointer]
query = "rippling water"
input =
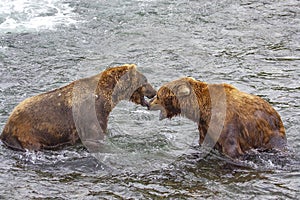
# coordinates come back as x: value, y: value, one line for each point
x: 253, y: 45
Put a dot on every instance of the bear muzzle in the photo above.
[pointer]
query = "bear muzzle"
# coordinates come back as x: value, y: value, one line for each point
x: 155, y: 105
x: 139, y: 95
x: 149, y: 92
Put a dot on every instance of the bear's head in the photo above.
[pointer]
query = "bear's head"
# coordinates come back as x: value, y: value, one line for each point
x: 177, y: 98
x: 131, y: 85
x: 139, y: 94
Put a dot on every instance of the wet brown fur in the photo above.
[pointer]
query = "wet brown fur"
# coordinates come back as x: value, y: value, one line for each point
x: 46, y: 121
x: 249, y: 122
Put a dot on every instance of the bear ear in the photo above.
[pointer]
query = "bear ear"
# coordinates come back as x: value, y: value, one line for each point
x: 131, y: 66
x: 131, y: 71
x: 190, y: 78
x: 183, y: 90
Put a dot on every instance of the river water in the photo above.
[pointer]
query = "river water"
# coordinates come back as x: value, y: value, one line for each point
x: 254, y: 45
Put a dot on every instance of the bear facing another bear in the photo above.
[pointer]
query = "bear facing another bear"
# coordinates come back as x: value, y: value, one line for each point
x: 47, y: 121
x: 233, y: 121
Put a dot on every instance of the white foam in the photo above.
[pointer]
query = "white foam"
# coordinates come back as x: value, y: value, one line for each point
x: 34, y: 15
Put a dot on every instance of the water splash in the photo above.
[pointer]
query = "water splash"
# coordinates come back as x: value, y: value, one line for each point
x: 34, y: 15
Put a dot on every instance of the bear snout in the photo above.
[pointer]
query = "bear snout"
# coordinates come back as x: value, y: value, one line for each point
x: 149, y: 91
x: 155, y: 105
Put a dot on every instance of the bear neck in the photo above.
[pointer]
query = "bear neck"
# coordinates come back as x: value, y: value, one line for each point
x: 106, y: 87
x: 105, y: 101
x: 199, y: 110
x: 102, y: 87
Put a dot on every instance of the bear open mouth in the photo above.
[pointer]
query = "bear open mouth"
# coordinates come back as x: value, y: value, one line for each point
x: 144, y: 102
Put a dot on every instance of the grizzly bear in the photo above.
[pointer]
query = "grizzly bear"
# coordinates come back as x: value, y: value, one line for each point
x: 232, y: 121
x: 78, y: 111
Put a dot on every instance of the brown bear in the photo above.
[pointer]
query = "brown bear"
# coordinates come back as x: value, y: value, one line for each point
x: 67, y: 114
x: 233, y: 121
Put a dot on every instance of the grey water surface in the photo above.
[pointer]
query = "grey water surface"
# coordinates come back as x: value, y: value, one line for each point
x: 253, y: 45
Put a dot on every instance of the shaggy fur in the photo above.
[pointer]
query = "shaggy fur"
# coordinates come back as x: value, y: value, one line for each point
x: 246, y: 122
x: 46, y: 121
